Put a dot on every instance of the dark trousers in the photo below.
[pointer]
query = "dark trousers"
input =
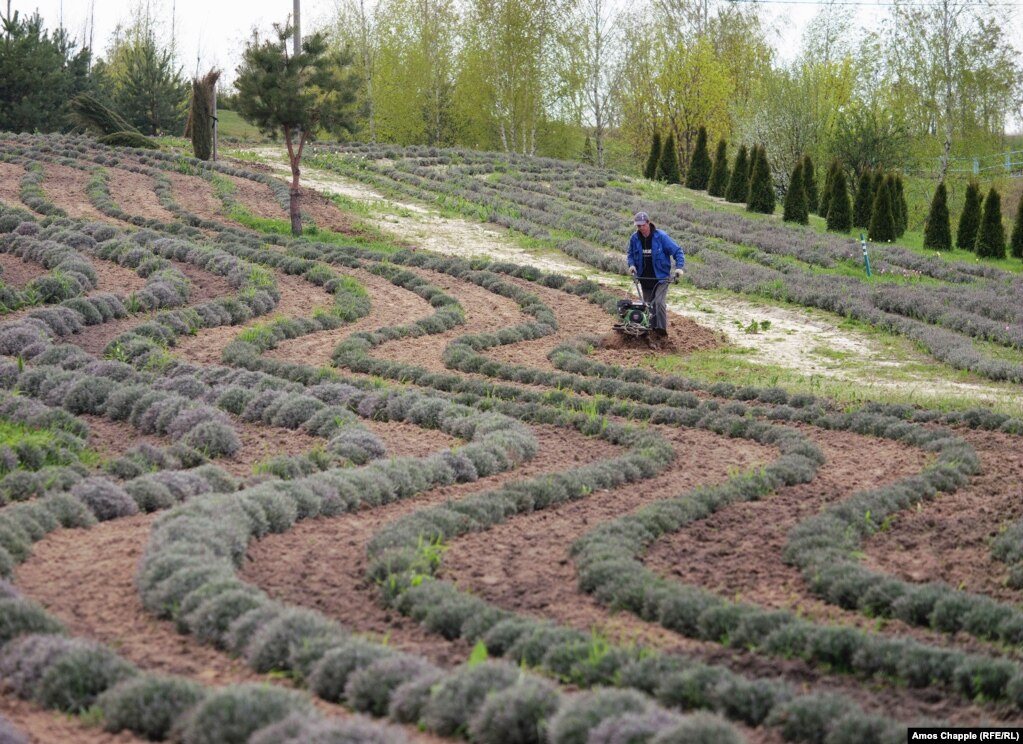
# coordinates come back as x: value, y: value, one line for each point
x: 656, y: 293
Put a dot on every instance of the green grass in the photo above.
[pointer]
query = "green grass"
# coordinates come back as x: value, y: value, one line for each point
x: 232, y: 126
x: 14, y: 434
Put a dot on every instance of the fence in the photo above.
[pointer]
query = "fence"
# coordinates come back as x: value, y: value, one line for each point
x: 1007, y: 163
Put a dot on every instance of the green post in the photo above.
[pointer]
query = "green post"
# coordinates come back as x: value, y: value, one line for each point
x: 866, y: 256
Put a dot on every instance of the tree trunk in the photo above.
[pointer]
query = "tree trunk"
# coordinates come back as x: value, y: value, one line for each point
x: 295, y: 158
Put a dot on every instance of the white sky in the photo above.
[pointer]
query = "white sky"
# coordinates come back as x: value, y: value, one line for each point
x: 214, y: 32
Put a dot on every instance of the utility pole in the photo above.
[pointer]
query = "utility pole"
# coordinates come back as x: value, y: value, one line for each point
x: 298, y: 28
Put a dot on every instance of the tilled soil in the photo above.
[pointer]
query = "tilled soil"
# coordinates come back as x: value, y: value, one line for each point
x: 133, y: 193
x: 66, y: 187
x: 10, y: 185
x: 18, y: 272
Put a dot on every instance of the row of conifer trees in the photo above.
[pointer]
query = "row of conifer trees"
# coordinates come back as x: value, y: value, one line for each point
x: 877, y: 206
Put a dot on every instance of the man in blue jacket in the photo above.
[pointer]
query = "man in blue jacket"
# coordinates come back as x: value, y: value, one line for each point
x: 650, y: 254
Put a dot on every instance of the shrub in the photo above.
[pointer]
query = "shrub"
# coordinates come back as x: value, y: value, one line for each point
x: 1016, y: 239
x: 864, y: 200
x: 460, y: 693
x: 808, y: 718
x: 148, y: 705
x: 211, y: 620
x: 213, y: 439
x: 516, y: 714
x: 577, y: 718
x: 751, y: 701
x: 69, y: 511
x: 241, y: 631
x: 274, y: 645
x: 231, y: 715
x: 839, y: 215
x: 74, y: 680
x: 633, y: 728
x: 369, y: 689
x: 298, y: 729
x: 859, y: 728
x: 691, y: 688
x: 24, y: 660
x: 330, y: 675
x: 409, y: 698
x: 700, y: 728
x: 105, y: 499
x: 357, y: 445
x: 667, y: 166
x: 21, y: 617
x: 650, y: 170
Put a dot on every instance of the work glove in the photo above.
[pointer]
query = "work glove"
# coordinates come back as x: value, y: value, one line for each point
x: 632, y: 271
x: 677, y: 275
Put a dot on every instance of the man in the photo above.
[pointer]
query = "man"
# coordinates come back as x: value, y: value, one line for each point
x: 650, y: 254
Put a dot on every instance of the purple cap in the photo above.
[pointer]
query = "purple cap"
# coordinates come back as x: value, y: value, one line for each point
x: 641, y: 218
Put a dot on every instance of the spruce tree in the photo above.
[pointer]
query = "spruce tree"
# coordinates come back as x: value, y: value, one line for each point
x: 719, y: 174
x: 738, y: 185
x: 991, y: 236
x: 969, y: 220
x: 839, y: 209
x: 938, y: 231
x: 699, y: 168
x: 864, y: 200
x: 587, y: 156
x: 829, y: 184
x: 667, y: 168
x: 810, y: 184
x: 899, y: 207
x: 761, y: 188
x: 796, y: 209
x: 882, y: 217
x: 1016, y: 243
x: 650, y: 171
x: 753, y: 154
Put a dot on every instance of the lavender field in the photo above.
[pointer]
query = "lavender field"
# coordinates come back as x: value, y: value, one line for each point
x: 338, y: 488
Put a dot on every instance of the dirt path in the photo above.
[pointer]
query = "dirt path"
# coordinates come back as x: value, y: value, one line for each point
x: 10, y: 185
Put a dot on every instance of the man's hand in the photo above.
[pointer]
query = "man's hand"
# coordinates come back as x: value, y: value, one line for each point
x: 677, y: 275
x: 632, y: 271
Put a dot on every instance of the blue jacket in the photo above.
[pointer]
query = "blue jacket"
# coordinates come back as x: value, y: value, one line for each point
x: 663, y: 248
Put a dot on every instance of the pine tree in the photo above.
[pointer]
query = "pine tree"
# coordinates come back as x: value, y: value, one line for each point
x: 1016, y: 243
x: 839, y: 209
x: 829, y: 185
x: 738, y: 185
x: 699, y: 168
x: 899, y: 207
x: 667, y: 168
x: 810, y: 184
x: 882, y: 216
x: 753, y: 154
x: 991, y: 237
x: 719, y: 175
x: 761, y: 187
x: 650, y: 171
x: 796, y: 209
x: 938, y: 231
x: 864, y: 200
x: 969, y: 220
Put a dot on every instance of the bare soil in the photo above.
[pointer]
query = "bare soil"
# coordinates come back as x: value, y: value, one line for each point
x: 133, y: 193
x: 66, y: 187
x: 10, y: 185
x: 17, y: 272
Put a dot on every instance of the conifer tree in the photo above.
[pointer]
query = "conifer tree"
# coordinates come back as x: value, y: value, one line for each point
x: 753, y: 154
x: 699, y: 168
x: 810, y: 184
x: 839, y: 209
x: 200, y: 115
x: 650, y: 171
x: 864, y: 200
x: 667, y: 168
x: 882, y: 216
x: 761, y: 188
x: 719, y: 174
x: 738, y: 185
x: 969, y: 220
x: 796, y: 209
x: 938, y: 230
x: 991, y: 236
x: 829, y: 184
x: 899, y: 207
x: 1016, y: 243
